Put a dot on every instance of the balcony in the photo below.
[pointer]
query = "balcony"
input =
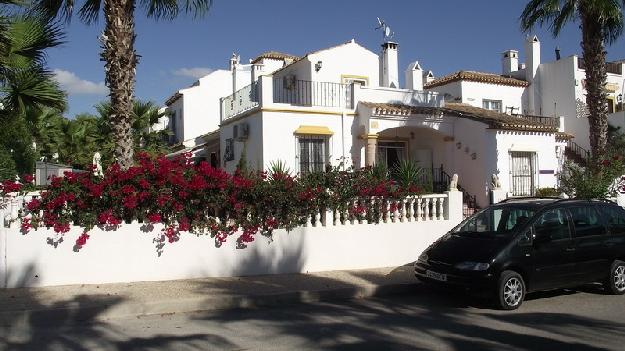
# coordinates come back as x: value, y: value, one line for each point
x: 610, y: 67
x: 295, y: 94
x: 548, y: 121
x: 241, y: 101
x: 308, y: 93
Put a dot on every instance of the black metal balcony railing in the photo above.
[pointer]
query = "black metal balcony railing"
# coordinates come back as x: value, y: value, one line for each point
x: 307, y: 93
x: 548, y: 121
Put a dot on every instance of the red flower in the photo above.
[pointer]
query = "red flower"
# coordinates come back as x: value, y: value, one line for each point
x: 26, y: 224
x: 154, y: 218
x: 28, y: 178
x: 82, y: 239
x: 184, y: 225
x: 33, y: 205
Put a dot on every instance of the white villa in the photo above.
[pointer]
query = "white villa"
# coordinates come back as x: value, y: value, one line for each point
x: 345, y: 104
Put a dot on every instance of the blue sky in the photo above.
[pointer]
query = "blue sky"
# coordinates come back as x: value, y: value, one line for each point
x: 445, y: 36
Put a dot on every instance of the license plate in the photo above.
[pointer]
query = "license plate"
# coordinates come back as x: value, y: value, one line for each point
x: 436, y: 276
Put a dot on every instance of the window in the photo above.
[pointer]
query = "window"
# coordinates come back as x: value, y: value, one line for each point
x: 391, y: 153
x: 313, y: 153
x: 494, y: 105
x: 553, y: 224
x: 586, y: 221
x: 173, y: 127
x: 615, y: 219
x: 496, y: 221
x: 522, y: 173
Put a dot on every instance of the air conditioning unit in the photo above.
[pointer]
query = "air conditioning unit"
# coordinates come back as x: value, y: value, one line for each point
x: 243, y: 131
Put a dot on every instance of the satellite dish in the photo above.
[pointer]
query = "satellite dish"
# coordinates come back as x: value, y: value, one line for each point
x: 387, y: 31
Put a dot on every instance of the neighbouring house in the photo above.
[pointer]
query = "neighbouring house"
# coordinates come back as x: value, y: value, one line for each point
x: 343, y: 106
x: 194, y: 112
x: 553, y: 89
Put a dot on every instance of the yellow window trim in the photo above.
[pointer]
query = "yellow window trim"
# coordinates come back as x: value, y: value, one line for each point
x: 313, y: 130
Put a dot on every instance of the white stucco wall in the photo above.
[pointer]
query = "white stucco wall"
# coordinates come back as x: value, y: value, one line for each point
x: 617, y: 119
x: 129, y: 253
x: 542, y: 144
x: 350, y: 59
x: 280, y: 126
x: 473, y: 93
x: 253, y: 145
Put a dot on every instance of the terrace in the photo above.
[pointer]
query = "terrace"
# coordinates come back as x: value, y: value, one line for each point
x: 302, y: 94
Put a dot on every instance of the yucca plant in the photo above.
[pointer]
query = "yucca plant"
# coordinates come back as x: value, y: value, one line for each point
x: 408, y: 173
x: 278, y: 168
x: 379, y: 171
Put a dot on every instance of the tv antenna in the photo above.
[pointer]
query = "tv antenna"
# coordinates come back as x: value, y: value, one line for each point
x: 387, y: 34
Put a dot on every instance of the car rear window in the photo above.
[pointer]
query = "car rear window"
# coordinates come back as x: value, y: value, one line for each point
x: 614, y: 218
x: 586, y: 221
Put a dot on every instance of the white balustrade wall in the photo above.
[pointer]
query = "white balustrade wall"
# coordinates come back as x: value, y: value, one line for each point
x: 370, y: 232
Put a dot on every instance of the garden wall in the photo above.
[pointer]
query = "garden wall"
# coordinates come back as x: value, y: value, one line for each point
x: 129, y: 253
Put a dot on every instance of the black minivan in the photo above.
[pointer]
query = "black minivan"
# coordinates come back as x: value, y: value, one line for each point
x: 530, y: 244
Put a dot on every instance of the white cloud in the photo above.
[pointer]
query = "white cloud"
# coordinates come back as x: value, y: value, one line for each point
x: 73, y: 85
x: 194, y: 72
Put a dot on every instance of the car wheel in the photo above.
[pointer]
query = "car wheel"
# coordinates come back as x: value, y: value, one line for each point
x: 510, y: 290
x: 615, y: 284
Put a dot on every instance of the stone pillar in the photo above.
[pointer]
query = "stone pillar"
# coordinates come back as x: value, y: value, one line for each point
x: 371, y: 146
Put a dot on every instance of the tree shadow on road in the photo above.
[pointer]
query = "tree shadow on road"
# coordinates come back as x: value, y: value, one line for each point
x: 30, y: 321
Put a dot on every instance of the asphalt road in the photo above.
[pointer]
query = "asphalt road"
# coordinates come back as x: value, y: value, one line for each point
x: 581, y: 319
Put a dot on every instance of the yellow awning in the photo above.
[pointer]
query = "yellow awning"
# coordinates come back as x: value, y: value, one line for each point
x: 313, y: 130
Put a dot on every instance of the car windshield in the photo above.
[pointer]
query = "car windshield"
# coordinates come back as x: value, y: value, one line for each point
x: 495, y: 221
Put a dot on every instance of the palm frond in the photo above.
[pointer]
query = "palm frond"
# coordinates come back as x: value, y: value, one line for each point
x: 54, y: 9
x: 31, y: 87
x: 29, y: 38
x: 170, y: 9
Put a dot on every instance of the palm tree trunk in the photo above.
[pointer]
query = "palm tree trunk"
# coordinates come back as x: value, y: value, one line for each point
x: 596, y: 77
x: 120, y: 59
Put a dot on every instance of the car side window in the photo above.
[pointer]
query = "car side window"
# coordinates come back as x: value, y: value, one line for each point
x: 553, y: 224
x: 586, y: 221
x: 615, y: 218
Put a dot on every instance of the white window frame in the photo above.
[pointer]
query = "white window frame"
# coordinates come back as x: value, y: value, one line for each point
x: 487, y: 104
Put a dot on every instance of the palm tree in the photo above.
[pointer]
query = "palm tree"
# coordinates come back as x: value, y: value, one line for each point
x: 145, y: 114
x: 601, y: 21
x: 24, y: 80
x: 118, y: 53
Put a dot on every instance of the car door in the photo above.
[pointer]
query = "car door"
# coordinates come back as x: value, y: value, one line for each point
x: 589, y: 239
x: 614, y: 217
x: 553, y: 251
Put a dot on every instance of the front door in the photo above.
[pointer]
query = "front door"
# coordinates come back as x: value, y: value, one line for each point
x: 554, y: 261
x: 522, y: 173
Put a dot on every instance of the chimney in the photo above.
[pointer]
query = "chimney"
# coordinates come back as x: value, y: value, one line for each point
x: 414, y: 76
x: 257, y: 71
x: 389, y: 68
x: 557, y: 53
x: 532, y: 52
x: 234, y: 63
x: 509, y: 62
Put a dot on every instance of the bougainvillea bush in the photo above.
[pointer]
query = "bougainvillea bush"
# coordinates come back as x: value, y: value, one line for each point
x: 188, y: 197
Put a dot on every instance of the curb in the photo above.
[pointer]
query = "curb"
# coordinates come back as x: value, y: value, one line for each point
x: 101, y: 311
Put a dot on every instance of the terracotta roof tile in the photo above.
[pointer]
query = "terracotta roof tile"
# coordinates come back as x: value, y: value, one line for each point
x: 275, y: 55
x: 480, y: 77
x: 493, y: 119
